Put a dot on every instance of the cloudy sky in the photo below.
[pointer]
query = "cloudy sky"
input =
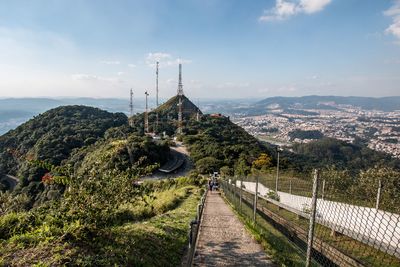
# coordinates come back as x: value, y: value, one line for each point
x: 229, y: 48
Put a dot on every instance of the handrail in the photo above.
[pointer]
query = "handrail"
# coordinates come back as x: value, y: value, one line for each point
x: 194, y: 229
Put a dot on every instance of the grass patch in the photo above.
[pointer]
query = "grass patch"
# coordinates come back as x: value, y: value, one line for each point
x: 156, y: 234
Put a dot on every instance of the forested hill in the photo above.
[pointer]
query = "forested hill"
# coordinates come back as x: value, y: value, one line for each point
x: 70, y: 141
x: 332, y: 152
x: 216, y: 143
x: 52, y: 135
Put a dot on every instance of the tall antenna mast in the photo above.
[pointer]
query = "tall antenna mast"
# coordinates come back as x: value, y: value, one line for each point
x: 180, y: 115
x: 180, y: 85
x: 180, y: 95
x: 146, y: 116
x: 157, y: 83
x: 131, y: 108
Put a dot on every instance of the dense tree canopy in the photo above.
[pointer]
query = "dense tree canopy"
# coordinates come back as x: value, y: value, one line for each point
x: 222, y: 140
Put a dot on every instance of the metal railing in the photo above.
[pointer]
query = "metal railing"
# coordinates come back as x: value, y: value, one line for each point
x: 194, y: 229
x: 332, y: 233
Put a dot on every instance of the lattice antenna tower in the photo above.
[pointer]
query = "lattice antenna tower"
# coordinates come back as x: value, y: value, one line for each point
x: 180, y: 85
x: 146, y: 116
x: 180, y: 119
x: 131, y: 108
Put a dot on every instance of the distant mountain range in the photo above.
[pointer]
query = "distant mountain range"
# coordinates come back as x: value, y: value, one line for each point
x: 289, y: 104
x: 15, y: 111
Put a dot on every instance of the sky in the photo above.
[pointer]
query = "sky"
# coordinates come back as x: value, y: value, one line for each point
x: 228, y: 48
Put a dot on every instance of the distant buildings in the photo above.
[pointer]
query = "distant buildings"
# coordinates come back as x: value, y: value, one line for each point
x: 343, y: 122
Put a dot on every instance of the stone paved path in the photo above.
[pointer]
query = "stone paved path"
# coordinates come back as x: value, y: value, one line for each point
x: 223, y: 239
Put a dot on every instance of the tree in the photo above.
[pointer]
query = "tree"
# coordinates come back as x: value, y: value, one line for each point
x: 207, y: 165
x: 368, y: 183
x: 262, y: 163
x: 226, y: 171
x: 242, y: 168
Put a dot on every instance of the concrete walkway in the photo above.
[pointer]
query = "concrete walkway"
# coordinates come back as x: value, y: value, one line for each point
x: 223, y: 239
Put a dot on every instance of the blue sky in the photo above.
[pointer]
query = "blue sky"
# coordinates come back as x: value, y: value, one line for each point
x: 229, y: 48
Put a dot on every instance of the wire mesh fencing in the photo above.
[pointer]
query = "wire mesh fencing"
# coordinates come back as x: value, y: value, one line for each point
x: 348, y: 228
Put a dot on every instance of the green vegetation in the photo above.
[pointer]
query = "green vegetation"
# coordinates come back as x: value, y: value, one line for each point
x: 167, y: 116
x: 78, y: 201
x: 301, y: 134
x: 148, y: 228
x: 328, y: 151
x: 74, y: 141
x: 217, y: 142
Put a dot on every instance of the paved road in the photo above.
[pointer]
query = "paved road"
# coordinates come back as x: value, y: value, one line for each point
x: 223, y: 239
x: 11, y: 180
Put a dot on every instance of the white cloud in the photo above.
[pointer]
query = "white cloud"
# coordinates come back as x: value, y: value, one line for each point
x: 110, y: 62
x: 313, y: 6
x: 394, y: 13
x: 164, y: 59
x: 131, y: 65
x: 285, y: 9
x: 120, y: 73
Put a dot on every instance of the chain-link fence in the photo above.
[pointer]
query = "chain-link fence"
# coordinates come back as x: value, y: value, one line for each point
x: 346, y: 229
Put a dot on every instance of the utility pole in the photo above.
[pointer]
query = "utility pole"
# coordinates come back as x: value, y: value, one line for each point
x: 378, y: 196
x: 131, y: 108
x: 278, y: 149
x: 146, y: 116
x: 310, y: 237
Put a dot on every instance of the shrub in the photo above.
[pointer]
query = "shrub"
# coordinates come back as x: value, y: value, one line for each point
x: 15, y: 223
x: 273, y: 195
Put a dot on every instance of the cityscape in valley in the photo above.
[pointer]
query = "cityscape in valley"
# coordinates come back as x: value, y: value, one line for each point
x: 379, y: 129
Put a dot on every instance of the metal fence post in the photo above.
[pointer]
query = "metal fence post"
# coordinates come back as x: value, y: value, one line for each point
x: 378, y: 196
x: 312, y: 217
x: 323, y: 189
x: 255, y: 202
x: 241, y: 194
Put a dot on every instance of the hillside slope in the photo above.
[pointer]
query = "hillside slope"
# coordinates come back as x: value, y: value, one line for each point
x: 53, y: 135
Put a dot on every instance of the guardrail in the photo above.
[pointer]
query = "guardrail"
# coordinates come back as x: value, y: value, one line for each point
x: 194, y: 229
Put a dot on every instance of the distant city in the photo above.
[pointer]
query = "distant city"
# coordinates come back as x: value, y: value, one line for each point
x: 380, y: 129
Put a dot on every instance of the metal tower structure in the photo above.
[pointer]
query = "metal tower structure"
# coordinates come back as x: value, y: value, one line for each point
x: 180, y: 119
x: 157, y: 83
x: 131, y: 108
x: 146, y: 116
x: 180, y: 85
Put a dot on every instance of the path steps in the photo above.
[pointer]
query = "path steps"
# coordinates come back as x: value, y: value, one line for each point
x: 223, y: 239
